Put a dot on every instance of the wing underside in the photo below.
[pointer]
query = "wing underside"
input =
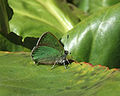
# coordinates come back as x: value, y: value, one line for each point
x: 45, y: 55
x: 48, y: 39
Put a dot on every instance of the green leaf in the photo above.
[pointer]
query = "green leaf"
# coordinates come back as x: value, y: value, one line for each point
x: 79, y: 13
x: 82, y: 4
x: 0, y: 27
x: 8, y: 42
x: 96, y: 39
x: 33, y: 17
x: 94, y: 5
x: 11, y: 43
x: 19, y: 76
x: 4, y: 26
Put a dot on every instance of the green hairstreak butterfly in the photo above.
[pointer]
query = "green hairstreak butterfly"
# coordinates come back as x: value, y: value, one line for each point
x: 49, y: 50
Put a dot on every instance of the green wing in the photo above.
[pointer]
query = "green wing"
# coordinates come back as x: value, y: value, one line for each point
x: 45, y: 55
x: 48, y: 39
x: 47, y: 50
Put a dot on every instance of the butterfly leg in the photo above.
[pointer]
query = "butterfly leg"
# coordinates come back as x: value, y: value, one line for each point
x: 67, y: 61
x: 65, y: 65
x: 54, y: 64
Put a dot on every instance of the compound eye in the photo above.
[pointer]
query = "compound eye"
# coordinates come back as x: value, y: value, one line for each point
x: 66, y: 52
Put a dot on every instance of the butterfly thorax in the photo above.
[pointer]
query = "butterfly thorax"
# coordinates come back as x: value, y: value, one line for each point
x: 62, y: 59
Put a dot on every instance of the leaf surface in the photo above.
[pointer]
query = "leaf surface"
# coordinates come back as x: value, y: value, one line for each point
x: 7, y: 45
x: 4, y: 26
x: 97, y: 38
x: 19, y: 76
x: 33, y: 17
x: 92, y: 6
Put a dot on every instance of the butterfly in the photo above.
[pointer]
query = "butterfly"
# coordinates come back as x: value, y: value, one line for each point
x: 49, y: 50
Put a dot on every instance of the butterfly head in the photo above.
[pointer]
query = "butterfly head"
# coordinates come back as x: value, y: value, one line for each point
x: 66, y: 52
